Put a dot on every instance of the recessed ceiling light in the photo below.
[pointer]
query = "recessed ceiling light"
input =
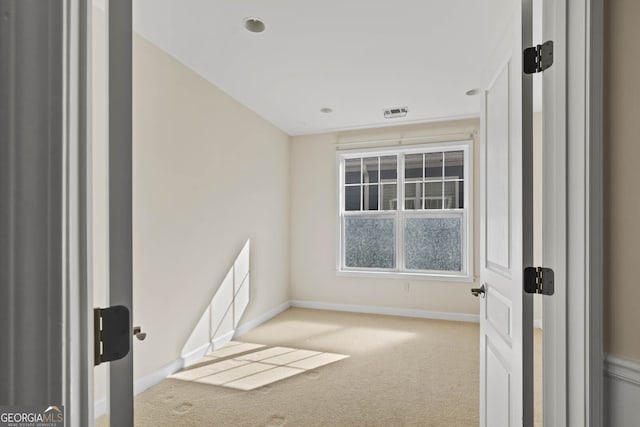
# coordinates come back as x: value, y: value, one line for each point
x: 473, y: 92
x: 254, y: 25
x: 326, y: 110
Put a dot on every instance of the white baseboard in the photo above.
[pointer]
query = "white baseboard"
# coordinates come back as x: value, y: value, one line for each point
x: 195, y: 355
x: 623, y: 369
x: 622, y: 393
x: 221, y: 341
x: 246, y: 327
x: 389, y: 311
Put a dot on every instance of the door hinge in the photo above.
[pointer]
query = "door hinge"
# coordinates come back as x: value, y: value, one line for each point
x: 538, y: 58
x: 111, y: 333
x: 538, y: 280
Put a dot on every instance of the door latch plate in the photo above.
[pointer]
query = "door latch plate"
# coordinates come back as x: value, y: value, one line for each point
x: 112, y: 333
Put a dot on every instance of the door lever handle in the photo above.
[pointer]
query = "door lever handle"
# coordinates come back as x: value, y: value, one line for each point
x: 137, y: 332
x: 477, y: 291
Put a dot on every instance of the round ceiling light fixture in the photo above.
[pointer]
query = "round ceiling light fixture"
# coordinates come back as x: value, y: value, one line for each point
x: 254, y: 25
x: 473, y: 92
x: 326, y: 110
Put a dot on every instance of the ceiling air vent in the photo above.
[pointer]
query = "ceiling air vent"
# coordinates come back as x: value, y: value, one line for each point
x: 392, y: 113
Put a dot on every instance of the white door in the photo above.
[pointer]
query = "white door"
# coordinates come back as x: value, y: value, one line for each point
x: 506, y: 320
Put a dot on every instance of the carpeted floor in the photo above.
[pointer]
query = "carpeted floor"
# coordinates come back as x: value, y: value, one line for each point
x: 401, y: 372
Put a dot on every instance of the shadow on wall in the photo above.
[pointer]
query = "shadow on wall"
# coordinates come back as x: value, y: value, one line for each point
x: 217, y: 324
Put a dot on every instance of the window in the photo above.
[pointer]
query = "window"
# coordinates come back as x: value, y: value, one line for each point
x: 406, y: 211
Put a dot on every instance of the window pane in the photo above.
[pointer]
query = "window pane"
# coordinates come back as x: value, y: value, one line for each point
x: 454, y: 165
x: 389, y: 168
x: 352, y: 171
x: 433, y: 195
x: 433, y: 166
x: 413, y: 195
x: 413, y: 166
x: 352, y: 198
x: 454, y: 195
x: 433, y: 243
x: 389, y: 197
x: 370, y: 198
x: 370, y: 242
x: 370, y: 172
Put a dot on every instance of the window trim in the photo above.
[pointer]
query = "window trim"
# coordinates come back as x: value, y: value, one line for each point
x: 400, y: 272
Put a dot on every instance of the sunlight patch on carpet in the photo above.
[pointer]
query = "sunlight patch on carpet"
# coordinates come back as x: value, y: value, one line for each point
x: 256, y: 367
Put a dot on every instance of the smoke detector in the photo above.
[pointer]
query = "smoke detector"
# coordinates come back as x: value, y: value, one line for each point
x: 392, y: 113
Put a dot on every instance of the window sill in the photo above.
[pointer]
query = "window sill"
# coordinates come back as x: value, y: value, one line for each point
x: 406, y: 276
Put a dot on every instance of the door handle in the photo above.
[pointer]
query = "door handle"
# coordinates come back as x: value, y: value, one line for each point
x: 477, y: 291
x: 137, y: 332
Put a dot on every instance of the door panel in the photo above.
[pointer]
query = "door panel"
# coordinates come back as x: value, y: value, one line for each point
x: 497, y: 102
x: 498, y: 393
x: 506, y: 322
x: 499, y: 314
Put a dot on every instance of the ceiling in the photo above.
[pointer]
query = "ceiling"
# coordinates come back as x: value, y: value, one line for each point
x: 356, y: 57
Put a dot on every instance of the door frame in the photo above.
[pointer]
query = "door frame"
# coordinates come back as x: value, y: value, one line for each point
x: 580, y: 398
x: 119, y: 14
x: 77, y: 214
x: 573, y: 220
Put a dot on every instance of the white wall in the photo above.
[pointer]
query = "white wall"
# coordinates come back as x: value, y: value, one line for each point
x: 621, y: 209
x: 314, y: 225
x: 622, y: 198
x: 208, y: 174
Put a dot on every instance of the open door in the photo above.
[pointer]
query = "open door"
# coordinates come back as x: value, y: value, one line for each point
x: 114, y: 314
x: 506, y: 246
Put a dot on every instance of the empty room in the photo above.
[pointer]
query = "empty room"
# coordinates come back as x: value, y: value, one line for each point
x: 306, y: 196
x: 279, y: 213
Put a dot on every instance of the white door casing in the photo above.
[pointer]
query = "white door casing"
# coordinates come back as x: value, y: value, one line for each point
x: 573, y: 213
x: 120, y: 198
x: 554, y: 232
x: 506, y: 312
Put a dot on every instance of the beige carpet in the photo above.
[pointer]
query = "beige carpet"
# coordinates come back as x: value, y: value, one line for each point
x: 401, y: 372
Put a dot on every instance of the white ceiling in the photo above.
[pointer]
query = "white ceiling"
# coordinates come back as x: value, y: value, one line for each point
x: 357, y: 57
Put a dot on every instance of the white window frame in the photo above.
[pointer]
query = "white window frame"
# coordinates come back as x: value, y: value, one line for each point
x: 400, y: 272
